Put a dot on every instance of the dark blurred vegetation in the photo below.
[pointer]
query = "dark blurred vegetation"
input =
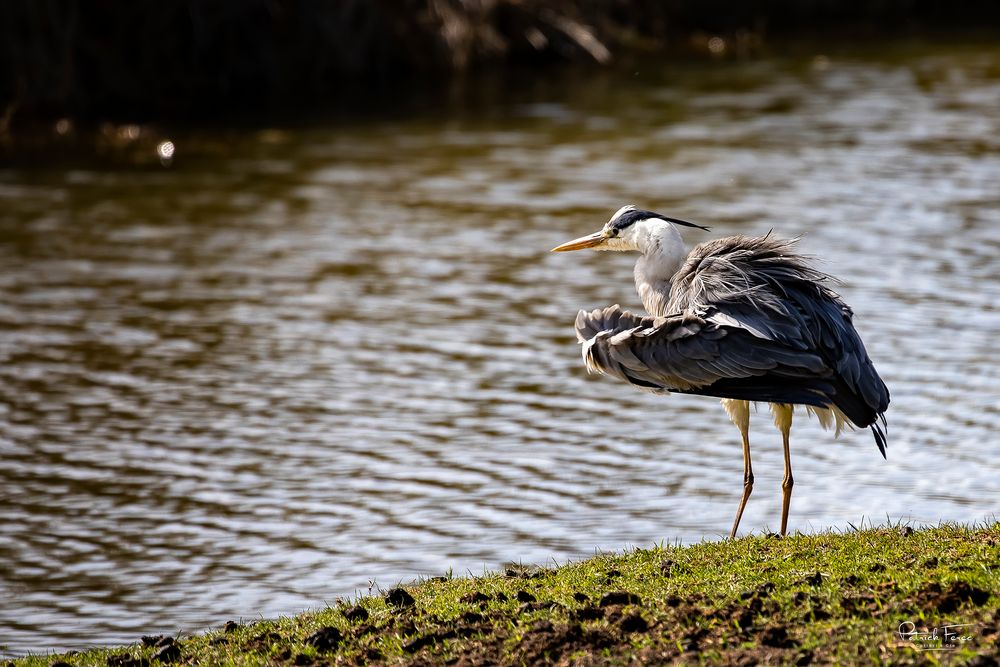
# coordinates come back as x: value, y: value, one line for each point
x: 156, y: 59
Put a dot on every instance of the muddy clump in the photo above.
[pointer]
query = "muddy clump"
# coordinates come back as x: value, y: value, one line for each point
x: 946, y: 600
x: 126, y: 660
x: 167, y: 654
x: 620, y: 598
x: 546, y: 643
x: 525, y: 596
x: 634, y: 622
x: 776, y: 636
x: 587, y: 613
x: 475, y: 598
x: 356, y: 613
x: 400, y: 598
x: 325, y: 639
x: 862, y: 605
x: 428, y: 639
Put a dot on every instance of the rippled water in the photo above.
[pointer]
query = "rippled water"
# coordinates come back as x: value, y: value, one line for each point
x: 248, y: 384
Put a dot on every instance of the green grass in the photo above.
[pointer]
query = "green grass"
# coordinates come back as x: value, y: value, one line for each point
x: 820, y: 599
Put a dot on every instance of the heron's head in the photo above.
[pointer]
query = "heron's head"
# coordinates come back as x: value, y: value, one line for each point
x: 629, y: 229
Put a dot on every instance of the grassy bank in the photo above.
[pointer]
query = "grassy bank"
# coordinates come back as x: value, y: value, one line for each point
x: 820, y: 599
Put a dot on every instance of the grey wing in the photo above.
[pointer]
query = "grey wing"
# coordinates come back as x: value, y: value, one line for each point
x: 821, y: 325
x: 687, y: 353
x: 760, y: 286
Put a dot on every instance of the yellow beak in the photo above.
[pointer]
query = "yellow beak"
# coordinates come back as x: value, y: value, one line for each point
x: 589, y: 241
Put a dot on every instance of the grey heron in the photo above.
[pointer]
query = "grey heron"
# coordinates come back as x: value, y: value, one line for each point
x: 740, y: 318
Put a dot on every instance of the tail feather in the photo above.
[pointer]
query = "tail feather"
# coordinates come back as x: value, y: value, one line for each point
x: 880, y: 440
x: 860, y: 412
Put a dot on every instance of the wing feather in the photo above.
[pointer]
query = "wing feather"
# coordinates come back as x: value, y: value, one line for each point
x: 686, y: 353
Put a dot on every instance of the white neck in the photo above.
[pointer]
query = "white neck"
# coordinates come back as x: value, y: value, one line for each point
x: 663, y: 253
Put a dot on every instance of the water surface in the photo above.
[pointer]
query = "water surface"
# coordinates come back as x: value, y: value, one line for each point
x: 326, y: 356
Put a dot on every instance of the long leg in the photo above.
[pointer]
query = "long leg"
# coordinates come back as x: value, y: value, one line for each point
x: 783, y: 420
x: 739, y: 412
